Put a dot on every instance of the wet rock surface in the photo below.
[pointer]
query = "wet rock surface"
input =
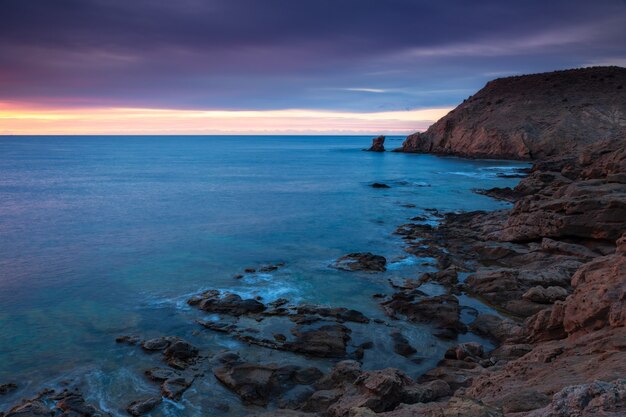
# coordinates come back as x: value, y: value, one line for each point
x: 361, y: 262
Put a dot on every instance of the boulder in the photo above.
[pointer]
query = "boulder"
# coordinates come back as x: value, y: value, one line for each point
x: 361, y: 262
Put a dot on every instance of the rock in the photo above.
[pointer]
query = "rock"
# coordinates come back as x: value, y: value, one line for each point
x: 361, y: 262
x: 379, y: 391
x: 161, y: 374
x: 231, y: 304
x: 524, y: 401
x: 593, y: 399
x: 33, y: 408
x: 443, y: 311
x: 525, y: 117
x: 401, y: 344
x: 326, y: 341
x: 555, y: 364
x: 496, y: 328
x: 467, y: 350
x: 73, y: 404
x: 156, y: 344
x: 567, y: 248
x: 180, y: 354
x: 379, y: 185
x: 340, y: 313
x: 130, y: 340
x: 544, y: 295
x: 257, y: 384
x: 180, y: 349
x: 454, y: 407
x: 599, y: 297
x: 6, y: 388
x: 173, y: 388
x: 504, y: 194
x: 143, y: 406
x: 378, y: 144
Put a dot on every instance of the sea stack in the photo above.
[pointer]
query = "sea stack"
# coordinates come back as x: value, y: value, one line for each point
x: 378, y: 144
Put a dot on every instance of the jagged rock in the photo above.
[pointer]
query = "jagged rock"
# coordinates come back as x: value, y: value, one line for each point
x: 377, y: 390
x: 599, y: 297
x: 378, y: 144
x: 544, y: 295
x: 465, y: 351
x: 443, y: 311
x: 173, y: 388
x: 454, y: 407
x: 143, y: 406
x: 33, y: 408
x: 593, y: 399
x: 232, y: 304
x: 328, y: 341
x: 555, y: 364
x: 567, y: 248
x: 156, y: 344
x: 361, y: 262
x: 499, y: 329
x: 257, y: 384
x: 340, y: 313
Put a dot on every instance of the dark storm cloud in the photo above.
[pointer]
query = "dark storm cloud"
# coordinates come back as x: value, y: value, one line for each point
x: 341, y: 54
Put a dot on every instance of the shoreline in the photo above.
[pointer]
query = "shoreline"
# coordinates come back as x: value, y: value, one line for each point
x: 348, y: 390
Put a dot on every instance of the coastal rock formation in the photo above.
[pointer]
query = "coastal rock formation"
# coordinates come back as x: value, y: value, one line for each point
x: 531, y: 116
x: 361, y: 262
x: 378, y: 144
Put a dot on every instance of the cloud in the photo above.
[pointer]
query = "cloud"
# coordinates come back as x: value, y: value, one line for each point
x: 23, y: 120
x: 276, y: 54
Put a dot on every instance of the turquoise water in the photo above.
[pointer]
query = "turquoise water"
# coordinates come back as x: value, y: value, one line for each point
x: 102, y: 236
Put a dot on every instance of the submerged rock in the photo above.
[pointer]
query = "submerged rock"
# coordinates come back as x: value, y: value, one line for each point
x: 143, y: 406
x: 213, y: 302
x: 361, y: 262
x: 7, y: 388
x: 257, y: 384
x: 443, y: 311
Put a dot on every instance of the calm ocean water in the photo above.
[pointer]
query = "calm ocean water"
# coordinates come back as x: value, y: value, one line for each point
x: 102, y: 236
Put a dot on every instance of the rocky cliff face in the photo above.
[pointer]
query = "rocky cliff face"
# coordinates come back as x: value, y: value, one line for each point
x: 532, y: 116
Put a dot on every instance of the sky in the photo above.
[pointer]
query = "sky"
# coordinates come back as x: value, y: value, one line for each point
x: 279, y: 66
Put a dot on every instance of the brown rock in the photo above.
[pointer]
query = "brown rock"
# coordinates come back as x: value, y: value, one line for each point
x: 531, y: 116
x: 593, y: 399
x: 378, y: 144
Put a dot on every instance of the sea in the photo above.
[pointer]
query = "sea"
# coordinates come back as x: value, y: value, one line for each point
x: 102, y: 236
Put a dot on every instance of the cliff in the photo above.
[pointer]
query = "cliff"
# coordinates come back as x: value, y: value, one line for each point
x: 531, y: 116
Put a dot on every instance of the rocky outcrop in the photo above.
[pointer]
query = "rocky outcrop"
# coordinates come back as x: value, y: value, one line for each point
x: 531, y: 116
x: 378, y: 144
x: 361, y: 262
x: 597, y: 398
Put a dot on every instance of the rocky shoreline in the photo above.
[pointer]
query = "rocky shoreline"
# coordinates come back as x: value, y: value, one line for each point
x: 553, y: 267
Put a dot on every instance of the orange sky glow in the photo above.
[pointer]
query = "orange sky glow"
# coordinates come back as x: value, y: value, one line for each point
x: 24, y: 120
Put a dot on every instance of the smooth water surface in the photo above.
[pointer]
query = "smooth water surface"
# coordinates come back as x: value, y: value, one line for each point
x: 102, y: 236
